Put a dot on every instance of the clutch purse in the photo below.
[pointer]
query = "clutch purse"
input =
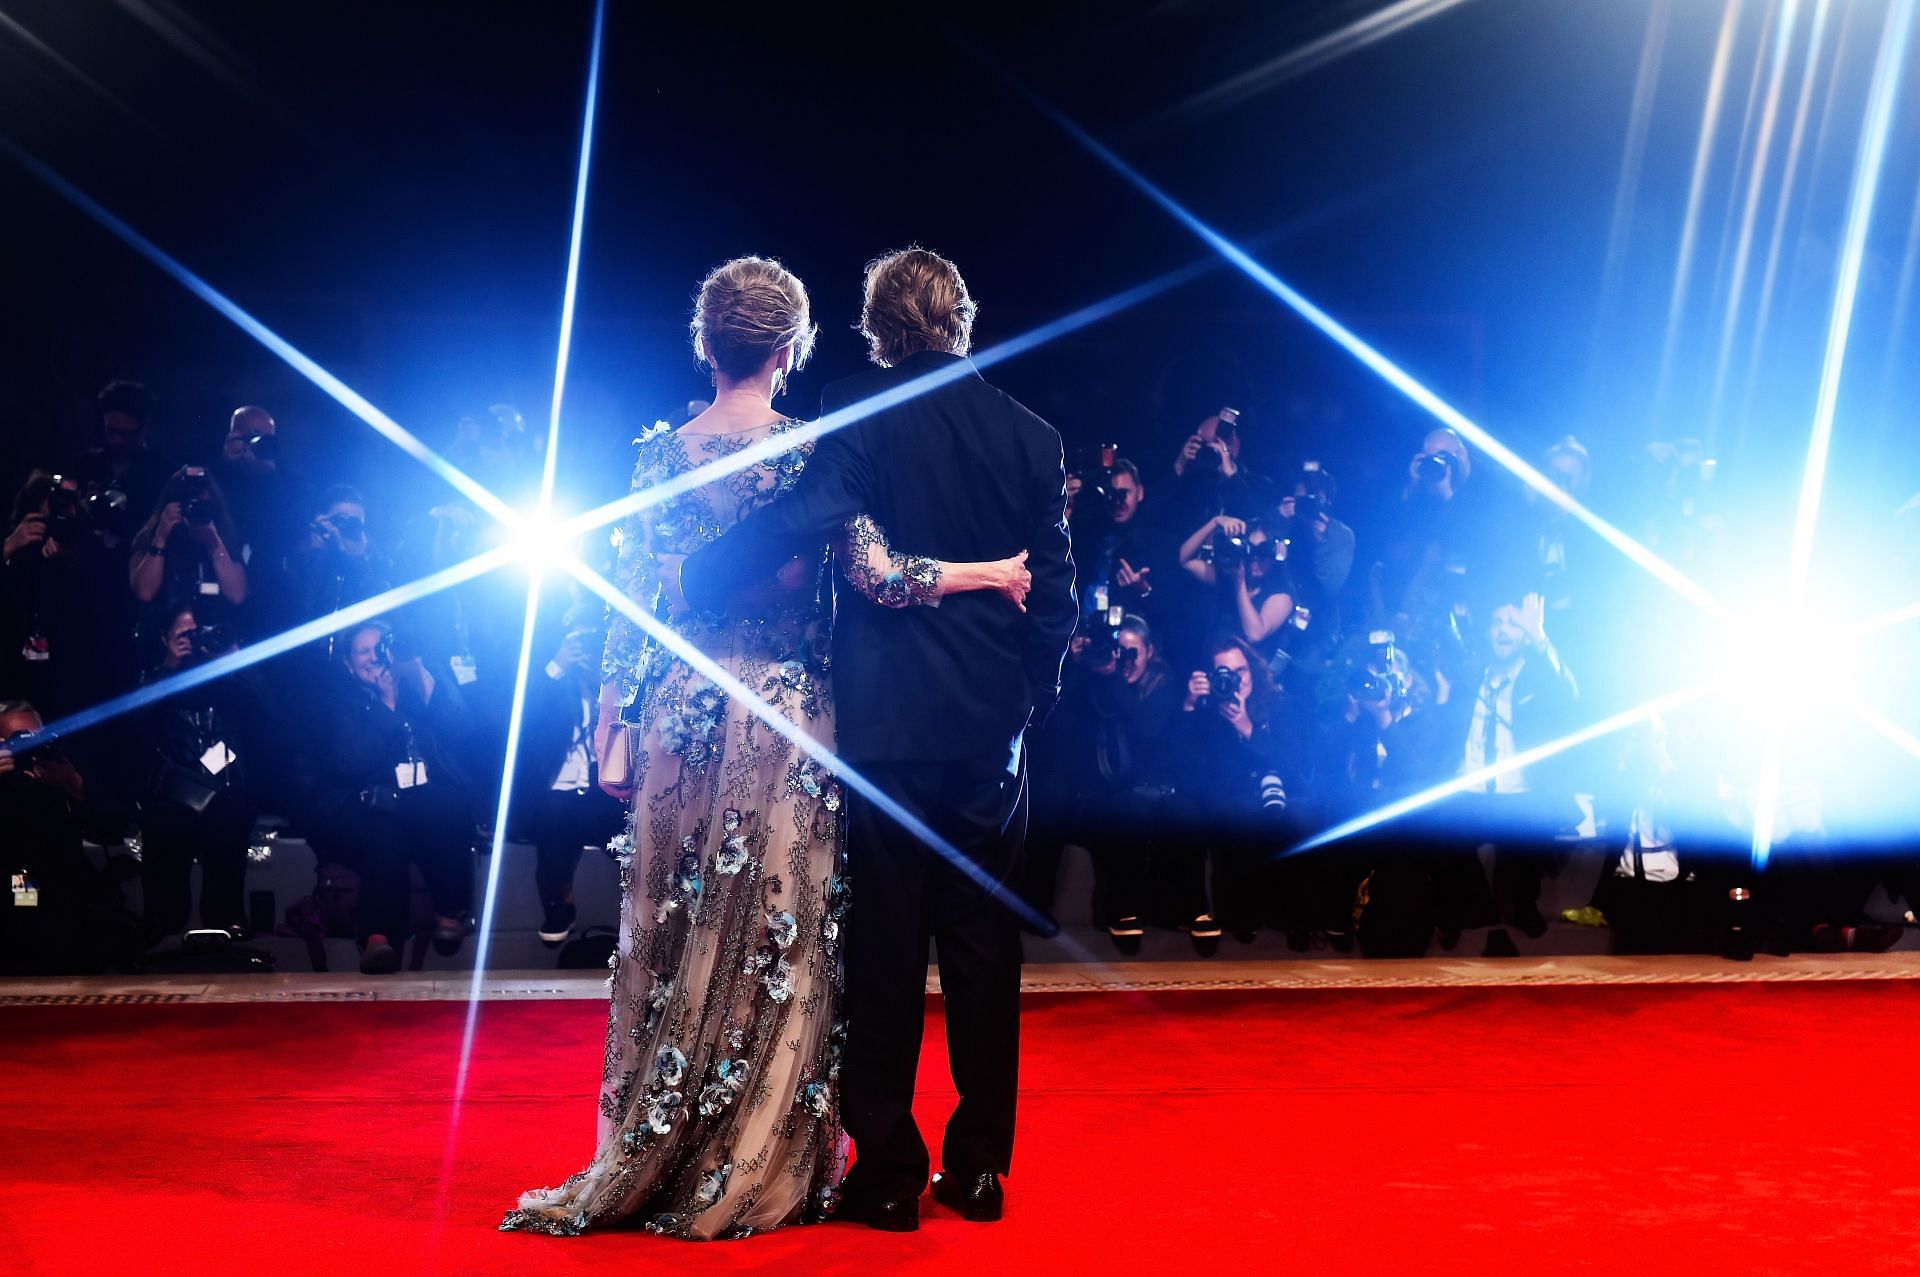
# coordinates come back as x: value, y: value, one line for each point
x: 616, y: 760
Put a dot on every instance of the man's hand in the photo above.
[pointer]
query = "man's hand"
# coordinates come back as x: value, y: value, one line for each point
x: 1227, y: 468
x: 1132, y: 578
x: 1199, y: 687
x: 1188, y: 451
x: 59, y: 773
x: 670, y: 568
x: 1231, y: 526
x: 1236, y: 715
x: 1533, y: 619
x: 413, y: 673
x: 571, y: 654
x: 31, y: 532
x: 7, y: 761
x: 170, y: 518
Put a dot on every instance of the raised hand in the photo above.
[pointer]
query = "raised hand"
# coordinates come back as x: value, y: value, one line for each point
x: 1533, y: 619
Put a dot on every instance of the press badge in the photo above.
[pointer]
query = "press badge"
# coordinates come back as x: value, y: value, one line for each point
x: 25, y: 894
x: 408, y: 774
x: 465, y: 669
x: 217, y: 758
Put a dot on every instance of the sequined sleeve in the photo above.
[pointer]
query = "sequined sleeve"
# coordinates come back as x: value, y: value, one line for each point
x: 636, y: 572
x: 889, y: 579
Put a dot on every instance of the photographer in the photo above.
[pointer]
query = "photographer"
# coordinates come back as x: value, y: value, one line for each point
x: 63, y: 617
x: 335, y: 564
x: 1523, y: 699
x: 391, y: 794
x: 1115, y: 545
x: 559, y: 779
x: 1132, y: 702
x: 1210, y: 478
x: 1235, y: 779
x: 1430, y: 543
x: 1246, y: 566
x: 199, y: 802
x: 61, y: 914
x: 1322, y: 550
x: 183, y: 550
x: 266, y: 497
x: 122, y: 469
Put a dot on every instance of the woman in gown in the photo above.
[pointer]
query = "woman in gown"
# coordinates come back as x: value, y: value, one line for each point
x: 718, y: 1090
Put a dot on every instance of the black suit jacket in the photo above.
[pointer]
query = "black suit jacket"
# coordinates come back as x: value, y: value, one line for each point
x: 961, y: 473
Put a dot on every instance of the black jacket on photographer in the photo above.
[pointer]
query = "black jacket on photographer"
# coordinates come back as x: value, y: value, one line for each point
x: 65, y: 624
x: 186, y: 731
x: 73, y: 920
x: 1223, y: 777
x: 361, y: 743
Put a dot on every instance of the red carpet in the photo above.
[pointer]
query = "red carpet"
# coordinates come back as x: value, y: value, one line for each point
x: 1701, y: 1129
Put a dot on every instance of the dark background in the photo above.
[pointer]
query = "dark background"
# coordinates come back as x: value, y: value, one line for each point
x: 390, y: 185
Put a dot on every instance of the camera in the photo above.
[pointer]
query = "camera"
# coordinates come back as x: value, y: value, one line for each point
x: 1094, y: 469
x: 196, y: 497
x: 1225, y: 682
x: 209, y: 640
x: 1103, y: 643
x: 1227, y: 423
x: 351, y: 527
x: 264, y: 447
x: 1436, y: 468
x: 1239, y: 551
x: 66, y: 514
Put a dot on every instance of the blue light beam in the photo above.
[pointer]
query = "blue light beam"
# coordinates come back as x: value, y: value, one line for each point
x: 268, y: 648
x: 773, y: 718
x: 1879, y: 722
x: 1696, y: 193
x: 1866, y: 180
x: 1392, y: 373
x: 539, y: 527
x: 1479, y: 778
x: 346, y: 396
x: 1749, y: 215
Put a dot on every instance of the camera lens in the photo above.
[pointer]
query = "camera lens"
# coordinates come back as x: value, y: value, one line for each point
x: 265, y: 447
x: 198, y: 512
x: 350, y: 527
x: 1435, y: 469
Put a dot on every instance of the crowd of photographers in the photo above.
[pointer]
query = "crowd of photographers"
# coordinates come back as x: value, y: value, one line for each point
x: 1251, y: 669
x: 375, y: 733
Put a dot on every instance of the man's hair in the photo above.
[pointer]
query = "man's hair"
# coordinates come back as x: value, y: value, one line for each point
x: 18, y: 707
x: 915, y: 301
x: 129, y: 397
x: 337, y: 493
x: 748, y: 310
x: 1126, y: 467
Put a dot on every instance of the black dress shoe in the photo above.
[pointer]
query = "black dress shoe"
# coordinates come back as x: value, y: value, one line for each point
x: 976, y: 1197
x: 888, y: 1214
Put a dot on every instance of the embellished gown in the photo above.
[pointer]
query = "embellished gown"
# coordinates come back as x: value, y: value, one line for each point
x: 718, y: 1109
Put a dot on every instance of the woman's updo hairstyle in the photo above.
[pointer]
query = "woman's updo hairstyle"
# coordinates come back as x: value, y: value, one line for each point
x: 747, y: 311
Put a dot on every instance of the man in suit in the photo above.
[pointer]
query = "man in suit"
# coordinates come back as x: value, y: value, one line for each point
x: 1522, y: 701
x: 932, y: 706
